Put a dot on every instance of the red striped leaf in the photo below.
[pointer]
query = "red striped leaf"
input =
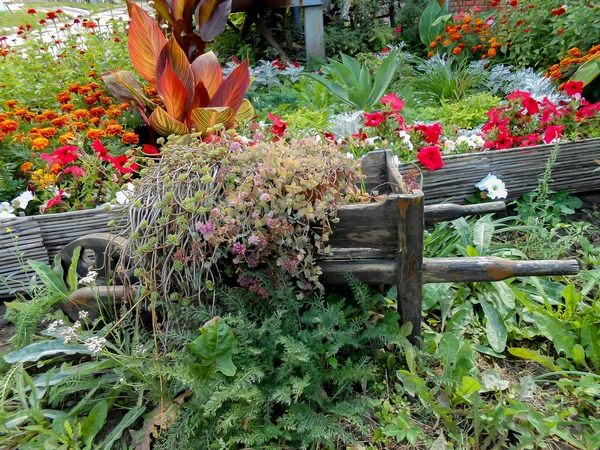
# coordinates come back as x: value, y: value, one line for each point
x: 173, y: 93
x: 200, y: 100
x: 207, y: 69
x: 145, y: 43
x: 123, y: 85
x: 232, y: 90
x: 204, y: 118
x: 216, y: 23
x: 173, y: 56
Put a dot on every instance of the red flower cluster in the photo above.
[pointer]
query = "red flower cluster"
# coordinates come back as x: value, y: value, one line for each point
x: 279, y: 125
x: 525, y: 121
x: 119, y: 162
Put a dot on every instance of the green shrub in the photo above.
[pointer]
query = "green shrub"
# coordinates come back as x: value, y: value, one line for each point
x: 466, y: 113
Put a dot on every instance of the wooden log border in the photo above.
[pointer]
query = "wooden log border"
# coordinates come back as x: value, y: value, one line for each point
x: 519, y: 168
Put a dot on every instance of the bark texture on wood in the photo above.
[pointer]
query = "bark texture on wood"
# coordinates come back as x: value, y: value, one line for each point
x: 451, y: 211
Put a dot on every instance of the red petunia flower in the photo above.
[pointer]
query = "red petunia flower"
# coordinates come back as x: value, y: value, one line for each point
x: 553, y: 132
x: 392, y: 99
x: 119, y: 163
x: 374, y: 119
x: 432, y: 133
x: 148, y: 149
x: 279, y: 125
x: 431, y: 157
x: 54, y: 201
x: 101, y: 150
x: 559, y: 11
x: 573, y: 87
x: 531, y: 105
x: 76, y: 171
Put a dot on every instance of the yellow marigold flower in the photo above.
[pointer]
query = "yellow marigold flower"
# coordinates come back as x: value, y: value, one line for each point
x: 9, y: 125
x: 56, y: 169
x: 26, y: 166
x: 40, y: 143
x: 42, y: 178
x: 65, y: 138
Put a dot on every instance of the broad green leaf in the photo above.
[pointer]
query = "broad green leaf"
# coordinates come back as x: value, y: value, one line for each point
x: 482, y: 235
x: 127, y: 421
x: 334, y: 88
x: 588, y: 71
x: 492, y: 380
x: 52, y: 378
x: 487, y: 351
x: 557, y: 331
x: 590, y: 339
x: 534, y: 355
x: 57, y: 268
x: 94, y: 422
x: 72, y: 273
x: 214, y: 348
x: 502, y: 293
x: 352, y: 64
x: 433, y: 293
x: 468, y: 386
x: 365, y: 79
x: 383, y: 78
x: 462, y: 228
x: 349, y: 78
x: 495, y: 330
x: 427, y: 31
x: 448, y: 350
x: 359, y: 98
x: 464, y: 361
x: 48, y: 278
x: 578, y: 354
x: 42, y: 349
x: 412, y: 383
x: 443, y: 18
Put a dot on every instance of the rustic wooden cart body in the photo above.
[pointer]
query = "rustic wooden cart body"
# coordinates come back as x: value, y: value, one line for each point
x: 379, y: 243
x: 520, y: 169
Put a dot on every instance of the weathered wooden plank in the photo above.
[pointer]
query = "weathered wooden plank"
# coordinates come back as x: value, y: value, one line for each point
x: 374, y: 169
x: 371, y: 271
x: 394, y: 178
x: 409, y: 260
x: 519, y: 168
x: 444, y: 270
x: 314, y: 32
x: 450, y: 211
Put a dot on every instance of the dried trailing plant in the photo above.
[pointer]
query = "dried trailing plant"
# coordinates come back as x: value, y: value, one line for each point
x: 218, y: 207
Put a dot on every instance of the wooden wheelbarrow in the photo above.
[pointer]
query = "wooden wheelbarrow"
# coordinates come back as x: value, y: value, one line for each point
x: 379, y: 243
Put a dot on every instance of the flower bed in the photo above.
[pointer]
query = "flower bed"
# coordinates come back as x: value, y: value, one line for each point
x: 519, y: 168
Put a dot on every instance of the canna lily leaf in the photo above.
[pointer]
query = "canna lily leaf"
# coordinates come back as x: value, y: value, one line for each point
x: 207, y: 69
x: 123, y: 85
x: 231, y: 92
x: 204, y: 118
x: 173, y: 93
x: 201, y: 100
x: 146, y: 40
x: 163, y: 7
x: 216, y: 22
x: 173, y: 55
x: 164, y: 124
x: 177, y: 9
x: 246, y: 111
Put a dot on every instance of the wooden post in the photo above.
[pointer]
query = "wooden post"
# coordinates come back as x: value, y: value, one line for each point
x: 314, y: 33
x: 409, y: 260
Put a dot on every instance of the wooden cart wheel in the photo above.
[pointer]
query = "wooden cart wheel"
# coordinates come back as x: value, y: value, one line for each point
x: 100, y: 252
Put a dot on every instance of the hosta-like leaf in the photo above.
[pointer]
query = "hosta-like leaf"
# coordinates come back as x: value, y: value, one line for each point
x: 173, y: 93
x: 48, y: 278
x: 164, y: 124
x: 123, y: 85
x: 172, y: 55
x: 232, y: 90
x: 146, y: 40
x: 42, y: 349
x: 207, y: 69
x: 482, y: 235
x: 495, y: 330
x: 204, y: 118
x: 216, y: 23
x: 534, y: 355
x: 588, y: 71
x: 246, y: 111
x: 214, y: 348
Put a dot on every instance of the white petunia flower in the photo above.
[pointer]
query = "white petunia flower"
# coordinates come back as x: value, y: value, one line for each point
x: 494, y: 186
x: 122, y: 197
x: 23, y: 200
x: 478, y: 141
x: 449, y: 147
x: 6, y: 211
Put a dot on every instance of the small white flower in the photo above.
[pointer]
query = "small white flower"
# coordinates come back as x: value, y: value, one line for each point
x: 164, y: 26
x: 83, y: 315
x: 478, y: 141
x: 349, y: 155
x: 494, y: 186
x: 54, y: 325
x: 462, y: 140
x: 95, y: 344
x: 6, y: 211
x: 449, y: 147
x: 372, y: 140
x: 89, y: 278
x: 122, y: 197
x: 122, y: 380
x: 23, y: 200
x: 70, y: 333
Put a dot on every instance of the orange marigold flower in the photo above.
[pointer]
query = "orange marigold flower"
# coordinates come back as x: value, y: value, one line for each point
x: 26, y: 166
x: 66, y: 138
x: 63, y: 98
x: 40, y: 143
x: 456, y: 37
x: 10, y: 104
x: 433, y: 45
x: 130, y: 138
x: 9, y: 125
x: 447, y: 42
x: 106, y: 101
x: 1, y: 136
x: 49, y: 115
x: 465, y: 28
x: 560, y: 31
x: 124, y: 106
x: 59, y: 122
x: 150, y: 91
x: 56, y: 169
x: 114, y: 130
x: 74, y: 88
x: 79, y: 114
x: 48, y: 132
x: 34, y: 134
x: 97, y: 112
x: 79, y: 126
x: 20, y: 112
x: 84, y: 90
x: 491, y: 52
x: 4, y: 116
x: 90, y: 99
x: 456, y: 51
x: 19, y: 137
x: 94, y: 121
x: 430, y: 54
x: 95, y: 133
x: 39, y: 118
x: 93, y: 74
x: 67, y: 108
x: 113, y: 112
x: 439, y: 39
x: 94, y: 86
x: 575, y: 52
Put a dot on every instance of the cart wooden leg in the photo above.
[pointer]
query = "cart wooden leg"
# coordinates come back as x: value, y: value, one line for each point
x: 409, y: 262
x: 314, y: 33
